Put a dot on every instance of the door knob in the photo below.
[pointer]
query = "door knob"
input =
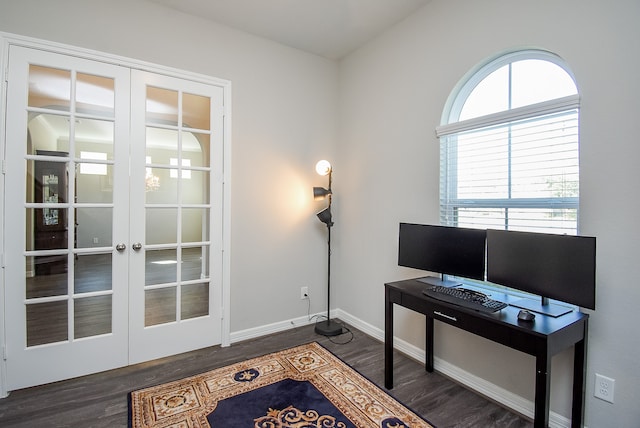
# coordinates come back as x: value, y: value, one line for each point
x: 137, y: 246
x: 121, y: 247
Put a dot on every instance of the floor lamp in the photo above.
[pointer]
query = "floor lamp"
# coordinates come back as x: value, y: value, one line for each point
x: 326, y: 327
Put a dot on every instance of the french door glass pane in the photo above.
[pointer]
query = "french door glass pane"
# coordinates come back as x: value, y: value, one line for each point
x: 95, y: 95
x: 161, y: 145
x: 196, y: 148
x: 95, y: 138
x: 55, y: 237
x: 49, y: 87
x: 194, y: 263
x: 92, y: 316
x: 194, y: 300
x: 162, y: 106
x: 46, y: 181
x: 46, y: 276
x: 196, y: 111
x: 49, y: 133
x: 161, y: 266
x: 160, y: 225
x: 47, y: 322
x: 95, y: 183
x: 160, y: 306
x: 94, y: 227
x: 160, y: 187
x: 195, y: 224
x: 195, y: 189
x: 93, y: 272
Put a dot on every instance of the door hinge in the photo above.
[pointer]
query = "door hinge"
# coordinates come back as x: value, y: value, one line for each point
x: 4, y: 166
x: 4, y: 352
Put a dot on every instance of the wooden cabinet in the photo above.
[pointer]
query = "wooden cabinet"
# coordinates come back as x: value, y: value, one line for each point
x: 50, y: 186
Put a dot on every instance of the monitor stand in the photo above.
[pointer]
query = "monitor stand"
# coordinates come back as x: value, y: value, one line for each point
x: 542, y: 307
x: 432, y: 280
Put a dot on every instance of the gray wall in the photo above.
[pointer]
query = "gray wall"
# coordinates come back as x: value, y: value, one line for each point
x: 283, y: 121
x: 374, y: 114
x: 393, y: 92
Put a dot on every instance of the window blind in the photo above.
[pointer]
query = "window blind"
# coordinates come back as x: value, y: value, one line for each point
x: 517, y: 173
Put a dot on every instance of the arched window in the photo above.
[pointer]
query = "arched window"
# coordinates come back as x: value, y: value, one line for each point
x: 509, y: 147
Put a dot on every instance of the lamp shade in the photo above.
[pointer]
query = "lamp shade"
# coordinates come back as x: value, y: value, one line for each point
x: 323, y: 167
x: 325, y: 216
x: 320, y: 193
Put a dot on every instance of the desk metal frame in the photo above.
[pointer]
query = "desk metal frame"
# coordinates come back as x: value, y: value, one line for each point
x: 543, y: 338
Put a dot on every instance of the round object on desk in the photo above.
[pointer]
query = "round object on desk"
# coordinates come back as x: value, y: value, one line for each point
x: 525, y: 315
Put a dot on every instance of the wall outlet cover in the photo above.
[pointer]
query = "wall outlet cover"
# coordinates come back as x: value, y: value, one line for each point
x: 604, y: 388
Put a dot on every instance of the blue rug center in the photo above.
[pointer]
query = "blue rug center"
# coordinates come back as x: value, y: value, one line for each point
x: 243, y: 409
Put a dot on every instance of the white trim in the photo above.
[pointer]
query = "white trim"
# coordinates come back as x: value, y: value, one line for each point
x: 30, y: 42
x: 255, y: 332
x: 225, y: 311
x: 545, y: 107
x: 4, y: 52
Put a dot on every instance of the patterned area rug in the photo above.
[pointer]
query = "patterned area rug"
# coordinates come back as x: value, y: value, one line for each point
x: 302, y: 387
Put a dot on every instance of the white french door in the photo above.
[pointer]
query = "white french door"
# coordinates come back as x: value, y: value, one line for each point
x: 175, y: 283
x: 62, y: 320
x: 113, y: 222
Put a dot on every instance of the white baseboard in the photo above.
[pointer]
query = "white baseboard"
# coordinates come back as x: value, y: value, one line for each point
x: 500, y: 395
x: 252, y: 333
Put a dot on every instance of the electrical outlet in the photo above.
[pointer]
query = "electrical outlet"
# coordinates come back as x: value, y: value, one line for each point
x: 304, y: 293
x: 604, y: 388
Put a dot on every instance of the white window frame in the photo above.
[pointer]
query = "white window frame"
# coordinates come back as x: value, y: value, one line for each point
x: 451, y: 126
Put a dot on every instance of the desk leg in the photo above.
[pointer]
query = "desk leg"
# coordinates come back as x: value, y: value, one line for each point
x: 428, y: 358
x: 579, y: 377
x: 543, y: 376
x: 388, y: 341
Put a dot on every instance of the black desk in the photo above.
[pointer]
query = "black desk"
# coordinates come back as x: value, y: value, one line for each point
x: 543, y: 338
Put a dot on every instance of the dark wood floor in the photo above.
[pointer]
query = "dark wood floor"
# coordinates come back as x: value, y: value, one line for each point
x: 100, y: 400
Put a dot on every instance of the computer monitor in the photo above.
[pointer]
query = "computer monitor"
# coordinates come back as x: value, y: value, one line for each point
x: 559, y: 267
x: 442, y: 249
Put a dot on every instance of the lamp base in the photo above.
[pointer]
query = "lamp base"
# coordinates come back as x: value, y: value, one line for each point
x: 328, y: 328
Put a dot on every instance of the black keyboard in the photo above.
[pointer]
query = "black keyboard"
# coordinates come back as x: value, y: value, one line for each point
x: 466, y: 298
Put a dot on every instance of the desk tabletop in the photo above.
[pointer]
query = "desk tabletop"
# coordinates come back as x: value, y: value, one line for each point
x: 542, y: 325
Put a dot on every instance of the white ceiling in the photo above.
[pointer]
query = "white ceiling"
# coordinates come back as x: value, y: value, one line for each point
x: 329, y: 28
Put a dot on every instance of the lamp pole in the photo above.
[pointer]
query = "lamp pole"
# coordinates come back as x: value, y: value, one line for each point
x: 328, y: 327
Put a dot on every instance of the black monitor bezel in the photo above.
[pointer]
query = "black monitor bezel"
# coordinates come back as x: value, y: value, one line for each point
x: 566, y: 265
x: 466, y: 242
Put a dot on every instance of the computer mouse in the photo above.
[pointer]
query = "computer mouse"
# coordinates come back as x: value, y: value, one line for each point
x: 524, y: 315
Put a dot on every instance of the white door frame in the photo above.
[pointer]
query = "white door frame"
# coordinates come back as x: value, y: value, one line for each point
x: 6, y: 40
